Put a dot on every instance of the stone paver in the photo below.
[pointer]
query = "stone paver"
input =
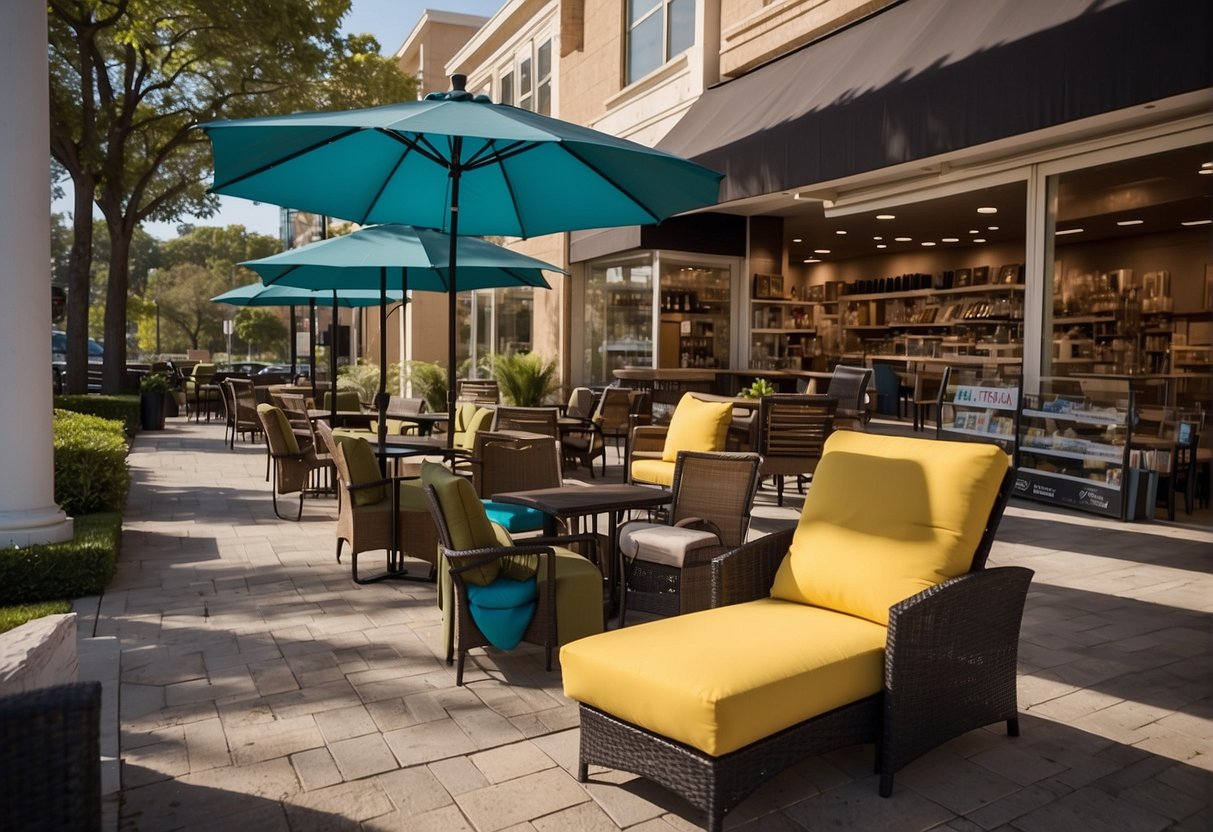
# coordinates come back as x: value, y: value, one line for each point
x: 262, y: 690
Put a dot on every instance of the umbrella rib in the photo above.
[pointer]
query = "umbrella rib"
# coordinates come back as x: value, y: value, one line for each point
x: 489, y: 153
x: 282, y: 160
x: 635, y: 199
x: 383, y: 185
x: 419, y: 144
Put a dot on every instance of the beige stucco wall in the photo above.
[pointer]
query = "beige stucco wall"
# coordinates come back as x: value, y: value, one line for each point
x: 754, y: 32
x: 428, y: 52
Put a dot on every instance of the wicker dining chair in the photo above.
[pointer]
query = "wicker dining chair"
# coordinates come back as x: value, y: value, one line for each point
x: 849, y: 385
x: 665, y: 567
x: 544, y: 420
x: 928, y: 383
x: 613, y: 417
x: 244, y: 409
x: 364, y: 512
x: 479, y: 390
x: 514, y: 462
x: 293, y: 463
x: 792, y: 431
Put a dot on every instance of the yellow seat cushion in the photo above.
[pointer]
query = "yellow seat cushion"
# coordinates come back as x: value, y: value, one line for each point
x: 697, y: 426
x: 886, y: 518
x: 653, y: 470
x: 721, y: 679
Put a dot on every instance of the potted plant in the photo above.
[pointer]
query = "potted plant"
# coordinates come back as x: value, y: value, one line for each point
x: 526, y: 379
x: 761, y: 387
x: 154, y: 390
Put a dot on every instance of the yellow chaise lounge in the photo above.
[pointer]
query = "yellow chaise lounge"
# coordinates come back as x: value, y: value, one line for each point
x: 874, y: 621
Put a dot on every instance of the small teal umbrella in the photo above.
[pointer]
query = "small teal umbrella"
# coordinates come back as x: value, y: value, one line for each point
x: 258, y: 294
x: 457, y: 162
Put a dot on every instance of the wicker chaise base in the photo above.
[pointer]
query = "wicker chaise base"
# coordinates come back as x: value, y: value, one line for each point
x: 717, y: 784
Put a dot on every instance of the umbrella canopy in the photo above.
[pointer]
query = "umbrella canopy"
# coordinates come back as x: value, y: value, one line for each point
x: 357, y: 261
x: 421, y: 258
x: 259, y: 294
x: 520, y: 173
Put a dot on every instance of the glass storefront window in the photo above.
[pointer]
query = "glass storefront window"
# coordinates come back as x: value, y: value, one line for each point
x: 619, y: 317
x: 695, y: 309
x: 493, y: 321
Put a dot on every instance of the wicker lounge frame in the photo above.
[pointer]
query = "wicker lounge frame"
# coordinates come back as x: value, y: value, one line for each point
x: 950, y: 660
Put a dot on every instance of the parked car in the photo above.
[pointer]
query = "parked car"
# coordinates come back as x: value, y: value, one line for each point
x: 96, y: 356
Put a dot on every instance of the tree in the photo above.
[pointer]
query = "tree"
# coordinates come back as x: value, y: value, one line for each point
x: 261, y: 328
x: 188, y: 319
x: 131, y: 79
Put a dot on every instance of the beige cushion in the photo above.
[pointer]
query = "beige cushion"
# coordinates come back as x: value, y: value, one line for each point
x: 659, y: 543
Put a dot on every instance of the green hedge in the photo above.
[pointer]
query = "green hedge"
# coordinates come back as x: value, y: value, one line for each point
x: 50, y: 571
x: 123, y: 408
x: 90, y: 463
x: 13, y: 617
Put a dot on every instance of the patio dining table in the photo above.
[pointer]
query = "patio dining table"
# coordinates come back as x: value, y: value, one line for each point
x: 574, y: 503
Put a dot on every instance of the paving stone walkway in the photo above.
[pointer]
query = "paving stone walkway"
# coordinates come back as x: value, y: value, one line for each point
x: 262, y: 690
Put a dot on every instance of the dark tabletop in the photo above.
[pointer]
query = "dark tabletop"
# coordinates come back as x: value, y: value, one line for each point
x: 569, y: 501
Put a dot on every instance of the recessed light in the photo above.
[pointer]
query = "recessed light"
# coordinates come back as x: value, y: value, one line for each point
x: 904, y: 239
x: 886, y: 216
x: 812, y: 260
x: 821, y: 251
x: 797, y: 240
x: 878, y: 238
x: 951, y: 239
x: 840, y: 232
x: 1196, y: 222
x: 1206, y: 164
x: 974, y: 231
x: 1205, y: 171
x: 1068, y: 231
x: 881, y: 245
x: 1129, y: 222
x: 987, y: 210
x: 927, y: 243
x: 991, y: 227
x: 979, y: 239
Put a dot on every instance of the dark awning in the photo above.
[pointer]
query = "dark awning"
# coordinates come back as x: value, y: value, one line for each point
x: 927, y: 77
x: 709, y: 233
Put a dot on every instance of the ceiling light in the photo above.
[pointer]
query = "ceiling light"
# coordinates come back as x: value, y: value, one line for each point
x: 821, y: 251
x: 812, y: 260
x: 886, y: 217
x: 840, y: 232
x: 878, y: 238
x: 979, y: 239
x: 992, y: 227
x: 928, y: 243
x: 1205, y: 171
x: 974, y: 231
x: 1206, y: 164
x: 1129, y: 222
x: 951, y: 239
x: 1196, y: 222
x: 987, y: 210
x: 797, y: 240
x: 881, y: 245
x: 904, y: 239
x: 1068, y: 231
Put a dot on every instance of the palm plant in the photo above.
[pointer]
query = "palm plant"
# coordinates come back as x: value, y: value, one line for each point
x: 364, y: 378
x: 525, y: 379
x: 429, y: 382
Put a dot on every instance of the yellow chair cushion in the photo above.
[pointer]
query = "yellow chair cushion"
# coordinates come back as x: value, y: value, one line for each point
x: 284, y: 426
x: 653, y: 470
x: 697, y: 426
x: 363, y: 467
x: 721, y: 679
x: 886, y: 518
x: 467, y: 524
x: 476, y: 422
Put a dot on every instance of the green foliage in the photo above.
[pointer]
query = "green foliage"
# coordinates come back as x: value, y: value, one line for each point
x: 78, y: 567
x: 430, y: 383
x: 124, y: 409
x: 761, y: 387
x: 13, y: 617
x: 525, y: 378
x: 90, y: 463
x: 155, y: 383
x: 261, y: 328
x: 363, y: 378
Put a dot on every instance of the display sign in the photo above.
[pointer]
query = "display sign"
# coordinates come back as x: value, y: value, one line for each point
x: 1093, y: 496
x: 994, y: 398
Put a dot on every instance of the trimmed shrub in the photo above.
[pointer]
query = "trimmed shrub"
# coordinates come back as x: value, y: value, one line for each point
x: 51, y: 571
x: 123, y: 408
x: 90, y: 463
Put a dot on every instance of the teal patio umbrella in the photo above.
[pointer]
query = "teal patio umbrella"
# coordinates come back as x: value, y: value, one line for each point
x: 455, y: 162
x: 258, y: 294
x: 419, y: 257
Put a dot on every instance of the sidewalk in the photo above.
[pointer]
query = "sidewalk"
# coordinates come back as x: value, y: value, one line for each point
x: 263, y: 690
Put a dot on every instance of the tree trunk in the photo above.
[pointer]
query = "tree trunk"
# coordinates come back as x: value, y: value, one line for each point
x: 78, y: 284
x: 113, y: 375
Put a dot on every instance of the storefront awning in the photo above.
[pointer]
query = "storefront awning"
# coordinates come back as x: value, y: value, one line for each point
x: 927, y: 77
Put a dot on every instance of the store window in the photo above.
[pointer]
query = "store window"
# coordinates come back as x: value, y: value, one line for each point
x: 658, y: 30
x: 1128, y: 278
x: 619, y: 317
x: 493, y: 322
x: 694, y: 314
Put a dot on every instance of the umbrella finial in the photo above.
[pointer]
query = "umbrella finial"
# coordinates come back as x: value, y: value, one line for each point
x: 459, y: 83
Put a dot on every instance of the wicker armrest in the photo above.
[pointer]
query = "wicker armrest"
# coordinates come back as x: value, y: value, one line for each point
x: 647, y: 438
x: 466, y: 559
x: 747, y: 572
x: 955, y: 643
x: 568, y: 540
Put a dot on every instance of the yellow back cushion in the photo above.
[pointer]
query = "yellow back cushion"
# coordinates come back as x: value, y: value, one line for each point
x: 363, y: 467
x: 697, y: 426
x: 886, y: 518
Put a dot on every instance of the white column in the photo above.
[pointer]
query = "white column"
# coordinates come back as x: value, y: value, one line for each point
x: 28, y: 513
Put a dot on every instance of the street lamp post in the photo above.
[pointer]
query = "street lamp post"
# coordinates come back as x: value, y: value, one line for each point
x: 157, y: 302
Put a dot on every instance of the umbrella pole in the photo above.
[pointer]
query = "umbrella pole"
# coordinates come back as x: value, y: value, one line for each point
x: 456, y: 149
x: 333, y: 363
x: 382, y: 398
x: 294, y: 348
x: 311, y: 346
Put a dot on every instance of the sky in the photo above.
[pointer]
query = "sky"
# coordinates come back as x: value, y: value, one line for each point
x: 390, y: 21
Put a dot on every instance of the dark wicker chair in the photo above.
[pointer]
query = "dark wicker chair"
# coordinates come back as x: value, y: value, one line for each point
x: 665, y: 566
x: 792, y: 431
x: 50, y: 759
x: 542, y: 420
x: 849, y: 386
x: 950, y: 662
x: 479, y: 390
x: 293, y: 463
